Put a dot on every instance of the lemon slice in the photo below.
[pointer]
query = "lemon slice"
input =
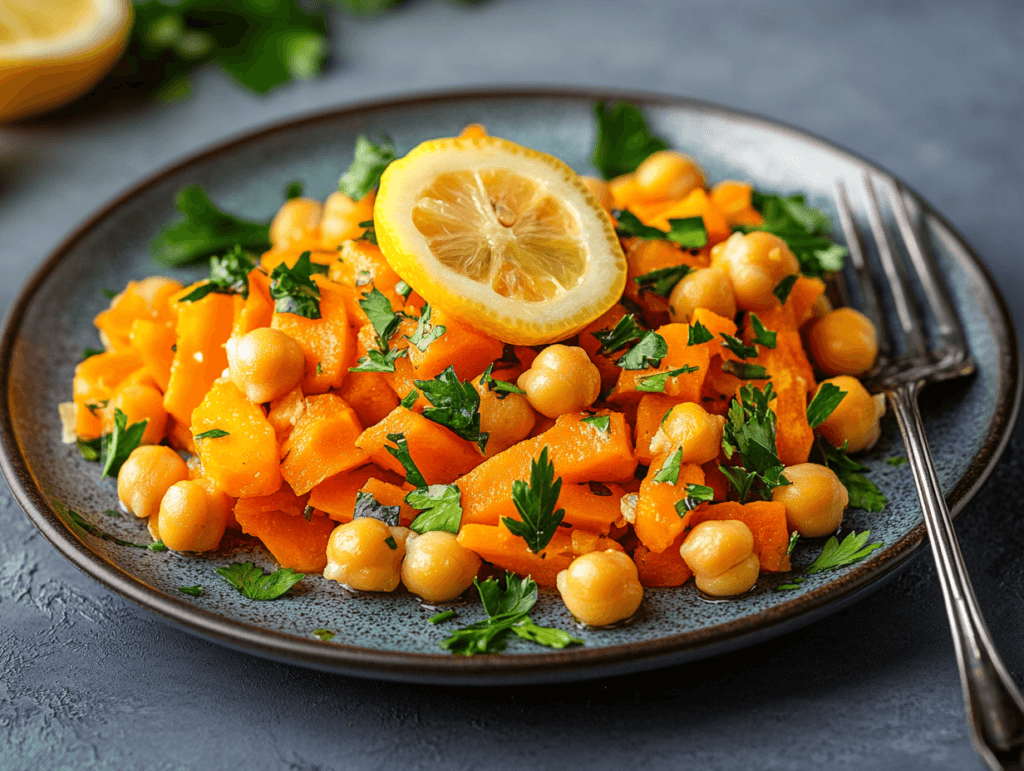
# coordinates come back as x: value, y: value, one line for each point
x: 52, y: 51
x: 505, y: 238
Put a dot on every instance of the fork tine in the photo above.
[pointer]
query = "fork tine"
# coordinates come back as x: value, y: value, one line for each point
x: 895, y: 272
x: 872, y: 306
x: 950, y: 331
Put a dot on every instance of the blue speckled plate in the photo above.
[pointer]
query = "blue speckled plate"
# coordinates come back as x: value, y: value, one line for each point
x: 968, y: 422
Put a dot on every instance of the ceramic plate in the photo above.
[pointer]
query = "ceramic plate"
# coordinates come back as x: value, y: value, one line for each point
x: 968, y: 422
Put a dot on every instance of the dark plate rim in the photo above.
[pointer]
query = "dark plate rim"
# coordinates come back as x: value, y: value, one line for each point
x: 573, y: 663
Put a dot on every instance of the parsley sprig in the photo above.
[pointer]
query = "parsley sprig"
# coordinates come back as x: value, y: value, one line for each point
x: 625, y: 331
x: 836, y: 555
x: 536, y: 504
x: 645, y: 354
x: 293, y: 289
x: 385, y: 322
x: 368, y: 163
x: 824, y: 404
x: 804, y: 229
x: 623, y: 139
x: 501, y: 388
x: 750, y: 431
x: 456, y: 405
x: 368, y: 507
x: 118, y: 445
x: 425, y: 332
x: 228, y: 275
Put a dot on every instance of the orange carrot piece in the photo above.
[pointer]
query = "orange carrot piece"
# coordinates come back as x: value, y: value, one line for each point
x: 665, y: 569
x: 361, y: 267
x: 766, y: 520
x: 591, y: 507
x: 658, y: 523
x: 140, y: 300
x: 154, y: 341
x: 686, y: 387
x: 735, y: 201
x: 440, y: 455
x: 244, y: 462
x: 717, y: 326
x: 369, y: 394
x: 257, y: 309
x: 285, y: 412
x: 651, y: 410
x: 295, y: 542
x: 696, y: 204
x: 498, y: 546
x: 322, y: 443
x: 284, y: 501
x: 336, y: 495
x: 94, y: 382
x: 461, y: 346
x: 387, y: 494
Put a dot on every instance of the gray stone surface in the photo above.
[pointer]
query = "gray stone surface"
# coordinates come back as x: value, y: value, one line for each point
x: 930, y: 89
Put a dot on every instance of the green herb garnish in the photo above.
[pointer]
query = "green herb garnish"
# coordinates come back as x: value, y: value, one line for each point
x: 501, y: 388
x: 750, y: 431
x: 293, y: 289
x: 441, y: 617
x: 836, y: 555
x: 401, y: 453
x: 368, y: 507
x: 536, y: 505
x: 441, y: 507
x: 623, y: 139
x: 823, y: 404
x: 213, y: 433
x: 784, y: 287
x: 645, y: 354
x: 600, y: 423
x: 804, y: 229
x: 738, y: 347
x: 118, y: 445
x: 762, y: 335
x: 744, y: 370
x: 323, y: 634
x: 699, y: 334
x: 864, y: 494
x: 456, y: 406
x: 253, y: 583
x: 425, y: 332
x: 368, y: 164
x: 695, y: 495
x: 688, y: 232
x: 228, y: 275
x: 897, y: 460
x: 657, y: 383
x: 625, y: 331
x: 192, y: 591
x: 661, y: 281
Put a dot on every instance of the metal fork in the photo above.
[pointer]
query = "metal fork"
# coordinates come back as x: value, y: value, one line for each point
x: 995, y: 709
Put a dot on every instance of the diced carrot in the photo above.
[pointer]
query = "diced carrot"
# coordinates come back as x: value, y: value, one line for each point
x: 440, y: 455
x: 717, y: 326
x: 625, y: 190
x: 766, y: 520
x: 327, y: 342
x: 665, y: 569
x: 645, y: 256
x: 322, y: 443
x: 361, y: 267
x: 179, y: 436
x: 696, y: 204
x: 369, y: 395
x: 734, y: 200
x: 285, y: 412
x: 658, y: 523
x: 716, y: 480
x: 685, y: 386
x: 94, y: 383
x: 650, y: 412
x: 498, y: 546
x: 284, y: 500
x: 146, y: 299
x: 802, y: 297
x: 336, y: 495
x: 605, y: 362
x: 244, y: 462
x: 257, y: 309
x: 592, y: 507
x: 295, y: 542
x: 154, y: 341
x: 580, y: 453
x: 461, y: 346
x: 473, y: 131
x: 199, y: 358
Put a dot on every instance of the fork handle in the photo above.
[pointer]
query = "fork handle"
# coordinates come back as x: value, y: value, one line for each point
x: 995, y: 709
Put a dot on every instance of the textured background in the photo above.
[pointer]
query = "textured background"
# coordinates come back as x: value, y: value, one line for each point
x: 929, y: 89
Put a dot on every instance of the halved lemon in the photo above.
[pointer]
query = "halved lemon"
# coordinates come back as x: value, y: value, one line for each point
x: 52, y: 51
x: 505, y: 238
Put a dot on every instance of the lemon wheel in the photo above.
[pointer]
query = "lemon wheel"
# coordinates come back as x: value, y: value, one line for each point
x: 54, y: 51
x: 505, y: 238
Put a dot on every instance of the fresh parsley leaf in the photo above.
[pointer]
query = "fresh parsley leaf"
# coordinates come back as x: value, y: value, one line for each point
x: 836, y: 555
x: 253, y: 583
x: 112, y: 513
x: 793, y: 538
x: 192, y: 591
x: 623, y: 139
x: 784, y: 287
x: 738, y: 347
x: 401, y: 452
x: 441, y: 506
x: 657, y: 383
x: 897, y: 460
x: 744, y: 371
x: 118, y: 445
x: 410, y: 399
x: 750, y: 430
x: 602, y: 423
x: 441, y: 617
x: 804, y: 229
x: 536, y: 505
x: 425, y: 332
x: 823, y: 404
x: 456, y: 406
x: 369, y: 234
x: 645, y: 354
x: 375, y: 361
x: 91, y: 449
x: 501, y: 388
x: 661, y: 281
x: 78, y: 523
x: 695, y: 495
x: 699, y: 334
x: 385, y: 321
x: 688, y: 232
x: 762, y: 335
x: 88, y: 353
x: 94, y: 406
x: 293, y: 190
x: 293, y: 289
x: 368, y: 507
x: 368, y: 164
x: 323, y: 634
x: 669, y: 471
x: 206, y: 230
x: 793, y: 584
x: 213, y: 433
x: 507, y: 612
x: 864, y: 494
x: 625, y: 331
x: 391, y: 543
x: 228, y: 275
x: 110, y: 294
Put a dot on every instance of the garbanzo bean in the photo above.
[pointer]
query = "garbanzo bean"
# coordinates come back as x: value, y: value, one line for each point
x: 814, y: 499
x: 562, y: 379
x: 755, y: 263
x: 265, y: 363
x: 702, y: 288
x: 360, y: 554
x: 139, y: 402
x: 721, y: 555
x: 843, y: 342
x: 600, y: 190
x: 294, y: 220
x: 667, y: 174
x: 145, y: 477
x: 601, y: 587
x: 437, y: 567
x: 691, y: 427
x: 341, y: 218
x: 189, y: 520
x: 505, y: 420
x: 858, y: 417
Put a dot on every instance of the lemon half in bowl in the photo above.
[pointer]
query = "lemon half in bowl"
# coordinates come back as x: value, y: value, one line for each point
x: 505, y: 238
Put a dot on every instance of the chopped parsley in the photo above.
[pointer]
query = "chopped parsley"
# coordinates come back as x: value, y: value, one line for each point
x: 793, y: 538
x: 410, y: 399
x: 750, y: 431
x: 688, y: 232
x: 622, y: 334
x: 441, y: 507
x: 441, y: 617
x: 853, y: 548
x: 110, y: 294
x: 670, y: 468
x: 118, y: 445
x: 456, y: 406
x: 368, y: 507
x: 323, y: 634
x: 508, y: 610
x: 536, y: 505
x: 88, y: 353
x: 897, y: 460
x: 645, y: 354
x: 425, y: 332
x: 600, y: 423
x: 375, y: 361
x: 253, y: 583
x: 699, y: 334
x: 368, y: 163
x: 391, y: 543
x: 401, y: 453
x: 228, y: 275
x: 79, y: 524
x: 403, y: 289
x: 206, y: 230
x: 191, y: 591
x: 213, y: 433
x: 385, y: 322
x: 695, y: 495
x: 661, y: 281
x: 657, y: 383
x: 623, y: 139
x: 784, y: 287
x: 824, y: 404
x: 738, y: 347
x: 369, y: 235
x: 293, y: 189
x: 294, y: 290
x: 501, y: 388
x: 744, y: 370
x: 762, y: 335
x: 804, y: 229
x: 864, y: 494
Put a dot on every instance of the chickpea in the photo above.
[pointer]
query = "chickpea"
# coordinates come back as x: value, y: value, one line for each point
x: 359, y: 555
x: 814, y: 499
x: 666, y: 175
x: 702, y: 288
x: 691, y: 427
x: 755, y: 264
x: 342, y: 216
x: 721, y: 555
x: 600, y: 190
x: 505, y: 420
x: 189, y: 520
x: 562, y: 379
x: 857, y: 419
x: 140, y: 402
x: 294, y: 220
x: 265, y: 364
x: 843, y: 342
x: 601, y: 587
x: 156, y: 291
x: 437, y: 567
x: 147, y: 474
